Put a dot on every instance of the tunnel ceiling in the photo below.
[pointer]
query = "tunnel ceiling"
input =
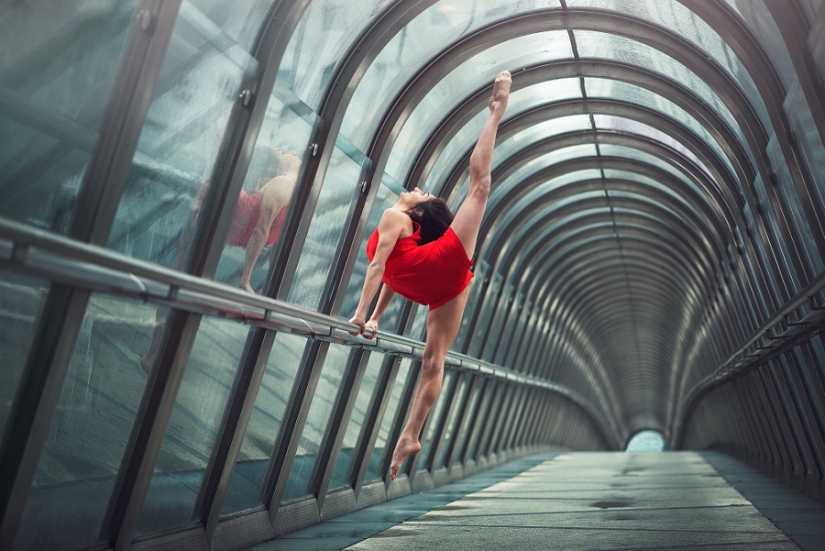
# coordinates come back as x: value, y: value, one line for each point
x: 629, y: 176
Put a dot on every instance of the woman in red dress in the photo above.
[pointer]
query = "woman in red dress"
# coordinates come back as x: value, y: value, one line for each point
x: 422, y: 252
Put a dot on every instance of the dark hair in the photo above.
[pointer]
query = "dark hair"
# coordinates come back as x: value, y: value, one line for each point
x: 433, y: 216
x: 265, y: 163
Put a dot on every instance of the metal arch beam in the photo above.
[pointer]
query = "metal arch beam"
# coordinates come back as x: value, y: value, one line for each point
x: 522, y: 266
x: 644, y: 32
x: 586, y: 293
x: 790, y: 20
x: 585, y: 238
x: 586, y: 68
x: 571, y: 258
x: 348, y: 74
x: 654, y: 242
x: 605, y: 226
x: 543, y: 294
x: 547, y: 296
x: 491, y: 231
x: 552, y: 20
x: 504, y: 243
x: 733, y: 30
x: 726, y: 194
x: 495, y: 216
x: 534, y: 251
x: 658, y: 249
x: 548, y: 220
x: 747, y: 290
x: 632, y: 111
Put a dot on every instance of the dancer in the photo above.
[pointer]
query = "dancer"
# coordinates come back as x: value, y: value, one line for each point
x: 424, y: 253
x: 256, y: 223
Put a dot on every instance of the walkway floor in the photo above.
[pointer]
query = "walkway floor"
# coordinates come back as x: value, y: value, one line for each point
x: 587, y: 501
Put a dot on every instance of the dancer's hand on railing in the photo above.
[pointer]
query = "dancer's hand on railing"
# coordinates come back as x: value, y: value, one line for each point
x: 371, y: 330
x: 359, y: 321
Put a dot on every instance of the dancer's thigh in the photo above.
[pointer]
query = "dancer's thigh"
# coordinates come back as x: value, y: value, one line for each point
x: 443, y: 324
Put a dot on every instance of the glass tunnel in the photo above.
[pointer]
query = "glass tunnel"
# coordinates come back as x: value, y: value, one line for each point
x: 651, y: 257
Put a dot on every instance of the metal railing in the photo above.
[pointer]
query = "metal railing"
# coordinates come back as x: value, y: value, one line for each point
x: 773, y: 336
x: 55, y: 258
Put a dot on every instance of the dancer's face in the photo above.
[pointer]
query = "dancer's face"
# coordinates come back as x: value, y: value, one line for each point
x: 414, y: 197
x: 289, y: 160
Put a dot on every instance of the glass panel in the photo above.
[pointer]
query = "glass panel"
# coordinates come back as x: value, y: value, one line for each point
x: 632, y: 127
x: 323, y: 35
x: 813, y: 151
x: 193, y: 425
x: 764, y: 30
x: 57, y: 71
x: 340, y: 190
x: 797, y: 217
x: 469, y: 420
x: 21, y: 299
x: 313, y: 431
x: 680, y: 20
x: 426, y: 35
x: 447, y: 94
x: 451, y: 421
x: 495, y: 392
x: 387, y: 423
x: 520, y: 101
x: 264, y: 424
x: 610, y: 150
x: 771, y: 225
x: 625, y: 50
x: 538, y: 132
x: 344, y: 459
x: 528, y: 169
x: 268, y: 189
x: 603, y: 88
x: 433, y: 419
x: 171, y: 172
x: 386, y: 197
x: 90, y: 427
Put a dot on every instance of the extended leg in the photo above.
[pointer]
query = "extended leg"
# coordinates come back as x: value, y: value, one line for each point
x: 467, y: 220
x: 442, y: 329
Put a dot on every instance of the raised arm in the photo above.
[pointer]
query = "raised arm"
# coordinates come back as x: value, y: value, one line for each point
x: 392, y: 224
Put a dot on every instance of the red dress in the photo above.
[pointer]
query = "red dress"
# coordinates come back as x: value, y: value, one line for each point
x: 247, y: 213
x: 433, y: 274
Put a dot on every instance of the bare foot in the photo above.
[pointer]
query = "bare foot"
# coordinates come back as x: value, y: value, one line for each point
x: 146, y: 363
x: 404, y: 449
x: 501, y: 92
x: 246, y: 287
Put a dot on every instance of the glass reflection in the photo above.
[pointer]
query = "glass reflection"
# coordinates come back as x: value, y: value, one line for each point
x: 56, y: 75
x: 90, y: 429
x: 21, y: 299
x: 317, y: 424
x: 193, y: 425
x: 359, y: 410
x: 264, y: 424
x: 171, y: 172
x: 264, y: 201
x: 402, y: 379
x: 341, y: 188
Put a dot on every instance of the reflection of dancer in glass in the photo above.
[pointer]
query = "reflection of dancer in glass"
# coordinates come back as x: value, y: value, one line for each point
x: 257, y: 222
x: 422, y: 252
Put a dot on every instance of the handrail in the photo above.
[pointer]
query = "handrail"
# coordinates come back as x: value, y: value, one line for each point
x: 730, y: 367
x: 56, y: 258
